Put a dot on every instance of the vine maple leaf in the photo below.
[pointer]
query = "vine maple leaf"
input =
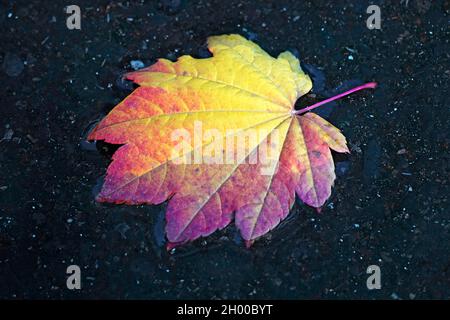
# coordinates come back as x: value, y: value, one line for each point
x: 239, y: 90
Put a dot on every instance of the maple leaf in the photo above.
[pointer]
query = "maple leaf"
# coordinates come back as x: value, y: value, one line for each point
x: 238, y: 91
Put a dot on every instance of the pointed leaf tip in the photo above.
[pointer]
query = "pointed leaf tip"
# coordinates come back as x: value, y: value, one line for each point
x: 249, y: 243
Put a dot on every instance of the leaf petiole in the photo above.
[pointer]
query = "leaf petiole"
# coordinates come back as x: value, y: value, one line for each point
x: 371, y: 85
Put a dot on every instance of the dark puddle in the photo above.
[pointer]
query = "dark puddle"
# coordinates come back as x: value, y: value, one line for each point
x: 159, y: 234
x: 321, y: 91
x: 86, y: 144
x: 105, y: 149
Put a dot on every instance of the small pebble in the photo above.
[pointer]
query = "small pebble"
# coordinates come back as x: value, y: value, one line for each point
x: 12, y: 65
x: 137, y: 64
x: 395, y: 296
